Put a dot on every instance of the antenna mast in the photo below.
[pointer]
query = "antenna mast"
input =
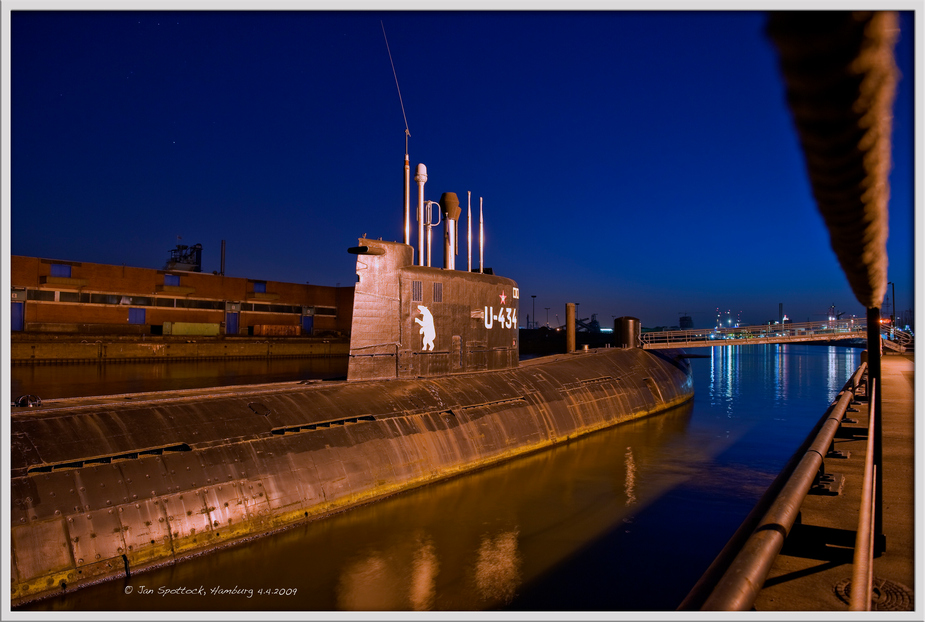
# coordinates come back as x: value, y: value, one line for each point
x: 407, y: 135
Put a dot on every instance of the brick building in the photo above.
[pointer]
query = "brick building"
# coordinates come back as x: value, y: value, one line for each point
x: 49, y: 295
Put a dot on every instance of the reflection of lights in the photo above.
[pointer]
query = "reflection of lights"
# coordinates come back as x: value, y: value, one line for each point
x: 403, y: 577
x: 630, y: 485
x: 368, y: 586
x: 833, y: 372
x: 497, y: 572
x: 424, y: 569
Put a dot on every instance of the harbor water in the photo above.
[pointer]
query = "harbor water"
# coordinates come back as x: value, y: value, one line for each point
x: 626, y: 519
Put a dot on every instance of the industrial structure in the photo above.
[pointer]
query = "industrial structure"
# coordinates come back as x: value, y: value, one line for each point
x: 55, y: 296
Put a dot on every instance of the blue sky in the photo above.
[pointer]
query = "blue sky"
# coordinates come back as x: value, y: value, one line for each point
x: 638, y: 163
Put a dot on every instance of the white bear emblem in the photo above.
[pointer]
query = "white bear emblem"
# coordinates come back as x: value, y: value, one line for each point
x: 427, y: 327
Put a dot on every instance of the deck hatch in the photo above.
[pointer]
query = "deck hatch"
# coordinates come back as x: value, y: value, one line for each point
x: 132, y: 455
x: 598, y: 380
x: 306, y: 427
x: 512, y: 400
x: 260, y: 409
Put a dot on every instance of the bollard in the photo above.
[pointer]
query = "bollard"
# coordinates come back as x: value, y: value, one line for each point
x: 626, y: 332
x: 569, y: 327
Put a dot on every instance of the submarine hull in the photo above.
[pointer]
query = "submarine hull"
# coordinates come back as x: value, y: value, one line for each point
x: 106, y: 487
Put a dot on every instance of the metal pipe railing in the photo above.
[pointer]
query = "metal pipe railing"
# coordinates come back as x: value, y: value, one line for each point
x: 855, y: 327
x: 874, y: 376
x: 862, y: 573
x: 738, y: 586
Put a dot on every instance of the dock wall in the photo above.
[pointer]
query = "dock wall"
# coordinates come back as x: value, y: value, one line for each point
x: 50, y: 351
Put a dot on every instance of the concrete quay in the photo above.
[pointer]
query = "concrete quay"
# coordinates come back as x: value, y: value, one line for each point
x: 813, y: 571
x: 114, y: 349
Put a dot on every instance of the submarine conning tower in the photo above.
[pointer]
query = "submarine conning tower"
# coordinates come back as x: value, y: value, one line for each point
x: 415, y: 321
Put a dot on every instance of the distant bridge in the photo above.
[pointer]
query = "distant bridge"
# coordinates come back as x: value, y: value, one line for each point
x: 855, y: 328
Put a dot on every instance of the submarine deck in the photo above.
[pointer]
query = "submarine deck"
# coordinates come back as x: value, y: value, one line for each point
x: 144, y: 397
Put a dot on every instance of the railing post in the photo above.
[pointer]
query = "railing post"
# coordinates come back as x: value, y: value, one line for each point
x: 874, y: 350
x: 863, y: 561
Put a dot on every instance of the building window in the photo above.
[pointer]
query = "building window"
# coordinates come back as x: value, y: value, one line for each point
x: 62, y: 270
x: 438, y: 292
x: 136, y: 316
x: 105, y: 299
x: 172, y: 279
x: 260, y: 287
x: 40, y: 294
x: 417, y: 291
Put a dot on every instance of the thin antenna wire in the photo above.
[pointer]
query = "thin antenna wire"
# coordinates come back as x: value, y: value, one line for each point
x: 407, y: 131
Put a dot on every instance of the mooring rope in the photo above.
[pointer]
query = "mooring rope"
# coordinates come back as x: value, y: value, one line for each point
x: 841, y: 81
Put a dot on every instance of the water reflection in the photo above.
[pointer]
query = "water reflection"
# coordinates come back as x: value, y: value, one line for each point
x: 630, y: 485
x: 724, y: 376
x: 369, y: 585
x: 497, y: 571
x: 424, y: 569
x: 399, y: 578
x: 790, y: 371
x: 780, y: 371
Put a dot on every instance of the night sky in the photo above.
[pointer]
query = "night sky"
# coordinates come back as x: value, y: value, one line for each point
x: 637, y: 163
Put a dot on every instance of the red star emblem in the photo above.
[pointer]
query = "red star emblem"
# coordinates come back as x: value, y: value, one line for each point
x: 503, y: 297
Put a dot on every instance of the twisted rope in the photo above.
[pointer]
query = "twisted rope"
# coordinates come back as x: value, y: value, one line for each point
x: 841, y: 81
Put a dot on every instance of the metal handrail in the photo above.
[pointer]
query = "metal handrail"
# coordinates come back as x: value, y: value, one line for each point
x: 743, y: 576
x: 862, y: 574
x: 896, y: 335
x: 902, y: 336
x: 761, y: 331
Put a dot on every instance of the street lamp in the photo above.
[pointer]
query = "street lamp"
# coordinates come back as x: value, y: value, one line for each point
x: 893, y: 300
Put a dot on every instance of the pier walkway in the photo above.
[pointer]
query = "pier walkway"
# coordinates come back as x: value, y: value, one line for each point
x: 855, y: 328
x: 814, y: 569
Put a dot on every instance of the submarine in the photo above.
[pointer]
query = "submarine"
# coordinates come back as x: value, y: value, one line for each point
x: 107, y: 487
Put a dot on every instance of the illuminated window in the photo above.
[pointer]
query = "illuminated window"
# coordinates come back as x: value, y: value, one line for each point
x: 417, y: 291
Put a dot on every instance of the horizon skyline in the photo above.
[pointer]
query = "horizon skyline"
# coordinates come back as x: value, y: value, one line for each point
x: 660, y: 181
